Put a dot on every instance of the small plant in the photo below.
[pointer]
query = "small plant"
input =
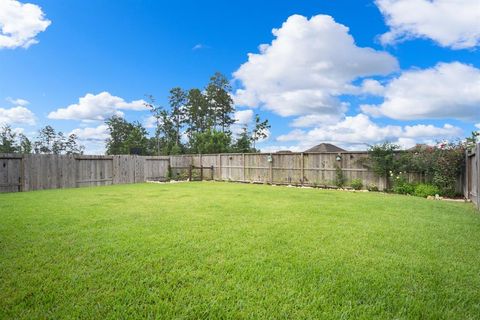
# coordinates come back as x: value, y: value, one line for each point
x: 401, y: 184
x: 356, y: 184
x: 424, y: 190
x: 339, y: 178
x: 372, y: 187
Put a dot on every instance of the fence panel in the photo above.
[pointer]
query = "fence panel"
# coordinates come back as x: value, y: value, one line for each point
x: 43, y: 172
x: 156, y: 168
x: 472, y: 176
x: 10, y: 173
x: 94, y: 171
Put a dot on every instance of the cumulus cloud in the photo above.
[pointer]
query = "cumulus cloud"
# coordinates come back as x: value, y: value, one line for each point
x: 99, y: 133
x: 20, y: 23
x: 92, y: 138
x: 313, y: 120
x: 16, y: 115
x: 150, y: 122
x: 309, y: 64
x: 357, y: 131
x: 448, y: 90
x: 450, y: 23
x: 372, y: 87
x: 96, y: 107
x: 243, y: 117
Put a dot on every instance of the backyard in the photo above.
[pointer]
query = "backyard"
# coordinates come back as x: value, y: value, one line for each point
x: 228, y: 250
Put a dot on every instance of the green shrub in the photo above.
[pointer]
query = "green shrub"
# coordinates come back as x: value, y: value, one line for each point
x: 424, y: 190
x: 372, y: 187
x: 356, y: 184
x: 401, y: 185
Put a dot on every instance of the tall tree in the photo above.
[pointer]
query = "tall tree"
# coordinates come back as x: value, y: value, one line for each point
x: 178, y: 101
x: 25, y: 144
x: 126, y: 137
x: 156, y: 114
x: 8, y: 140
x: 243, y: 143
x: 220, y: 102
x: 45, y: 140
x: 260, y: 130
x: 210, y: 141
x: 72, y: 146
x: 197, y: 112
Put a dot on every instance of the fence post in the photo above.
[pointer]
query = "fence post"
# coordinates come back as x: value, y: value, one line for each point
x: 477, y: 160
x: 220, y: 174
x: 190, y: 173
x: 302, y: 170
x: 22, y: 174
x: 201, y: 172
x: 243, y: 163
x: 271, y: 169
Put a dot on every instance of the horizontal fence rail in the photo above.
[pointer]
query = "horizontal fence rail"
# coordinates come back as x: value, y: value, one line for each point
x: 37, y: 172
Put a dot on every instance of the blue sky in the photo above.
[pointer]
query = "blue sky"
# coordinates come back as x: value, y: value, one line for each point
x: 346, y: 72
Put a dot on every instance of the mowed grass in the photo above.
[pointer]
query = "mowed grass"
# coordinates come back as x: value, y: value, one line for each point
x: 210, y: 250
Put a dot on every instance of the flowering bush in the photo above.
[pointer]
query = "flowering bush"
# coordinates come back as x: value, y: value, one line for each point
x: 441, y: 165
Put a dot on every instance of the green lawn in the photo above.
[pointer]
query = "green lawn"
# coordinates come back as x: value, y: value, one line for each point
x: 225, y: 250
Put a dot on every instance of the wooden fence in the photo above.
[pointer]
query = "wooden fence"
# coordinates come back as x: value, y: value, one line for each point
x: 36, y: 172
x: 472, y: 176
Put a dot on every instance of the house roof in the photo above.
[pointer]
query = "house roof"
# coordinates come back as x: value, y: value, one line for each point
x: 325, y: 147
x: 419, y: 146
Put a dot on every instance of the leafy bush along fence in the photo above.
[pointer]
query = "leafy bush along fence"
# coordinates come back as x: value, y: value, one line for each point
x: 472, y: 175
x: 36, y: 172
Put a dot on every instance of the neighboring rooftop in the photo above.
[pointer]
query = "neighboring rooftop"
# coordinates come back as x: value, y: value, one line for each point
x: 419, y: 146
x: 325, y: 147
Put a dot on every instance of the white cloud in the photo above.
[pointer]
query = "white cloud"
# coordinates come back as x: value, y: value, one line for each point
x: 372, y: 87
x: 20, y: 23
x: 450, y: 23
x: 99, y: 133
x: 96, y: 107
x: 243, y: 117
x: 427, y: 131
x: 357, y: 131
x: 448, y: 90
x: 199, y: 46
x: 92, y: 138
x: 477, y: 125
x: 306, y: 67
x: 150, y: 122
x: 16, y: 115
x: 313, y: 120
x: 18, y: 102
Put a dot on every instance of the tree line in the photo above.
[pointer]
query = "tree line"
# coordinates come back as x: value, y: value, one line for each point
x: 195, y: 121
x: 47, y: 141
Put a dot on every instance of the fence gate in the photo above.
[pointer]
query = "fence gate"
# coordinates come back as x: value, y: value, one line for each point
x: 10, y: 173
